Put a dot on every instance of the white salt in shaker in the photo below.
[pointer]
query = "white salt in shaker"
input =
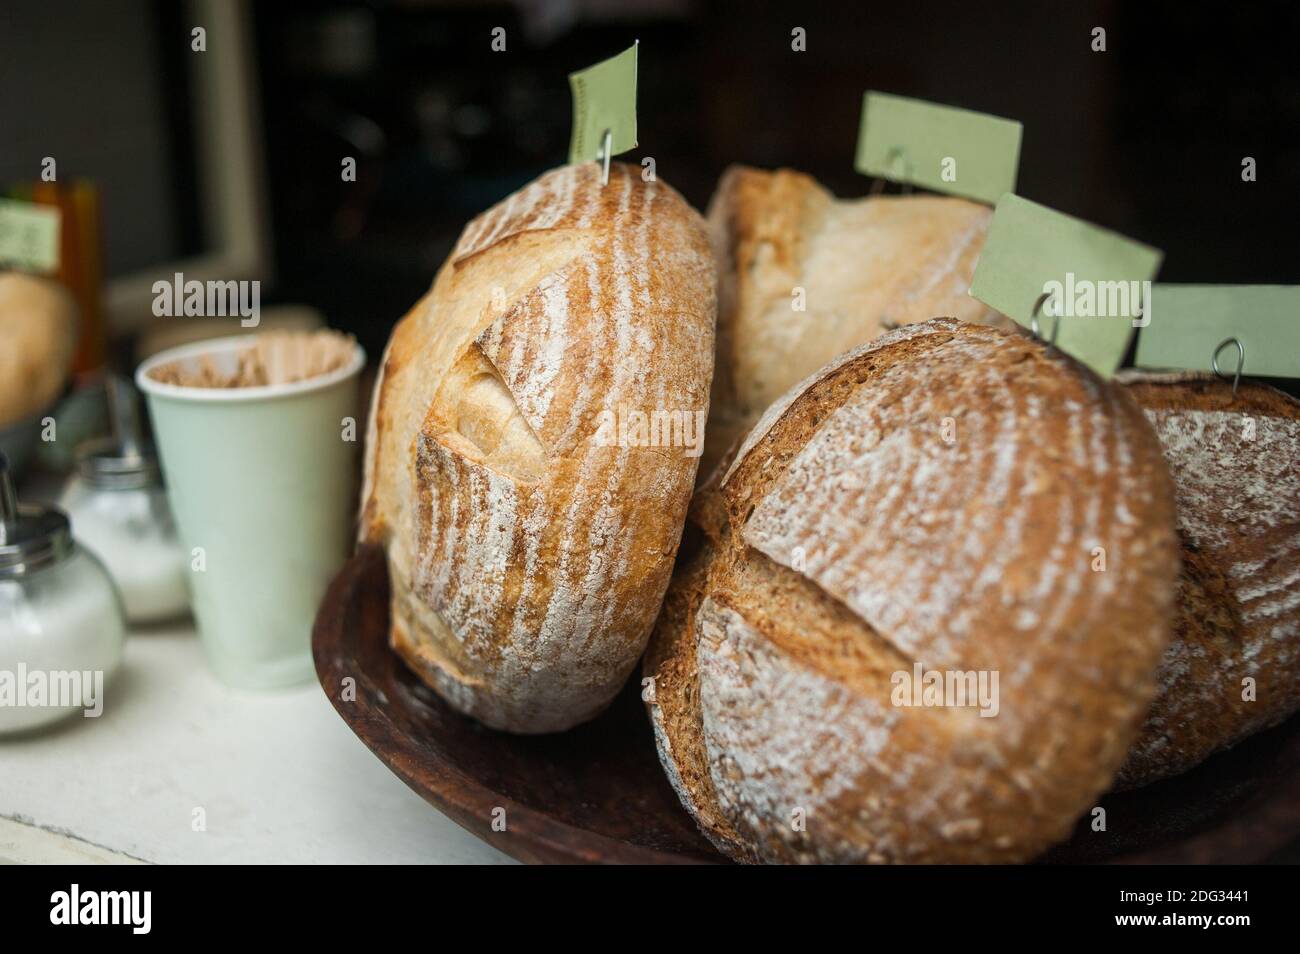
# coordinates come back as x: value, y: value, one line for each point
x: 61, y: 625
x: 119, y: 511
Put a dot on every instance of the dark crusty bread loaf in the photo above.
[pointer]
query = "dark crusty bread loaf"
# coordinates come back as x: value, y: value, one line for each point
x: 937, y: 497
x: 1236, y: 469
x: 529, y: 543
x: 864, y: 265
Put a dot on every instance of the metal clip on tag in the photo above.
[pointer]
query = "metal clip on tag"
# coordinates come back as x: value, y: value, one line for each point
x: 1241, y: 360
x: 1043, y: 299
x: 606, y: 143
x: 899, y: 168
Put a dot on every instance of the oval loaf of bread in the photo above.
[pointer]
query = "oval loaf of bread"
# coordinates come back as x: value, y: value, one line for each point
x: 803, y: 277
x: 1233, y: 666
x: 530, y: 529
x: 954, y: 498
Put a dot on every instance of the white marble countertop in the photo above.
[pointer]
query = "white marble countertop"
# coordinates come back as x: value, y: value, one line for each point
x: 278, y: 775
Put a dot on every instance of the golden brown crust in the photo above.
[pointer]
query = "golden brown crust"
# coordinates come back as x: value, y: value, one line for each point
x: 856, y: 267
x: 857, y: 541
x: 1233, y: 460
x: 529, y: 541
x: 38, y: 334
x: 757, y: 219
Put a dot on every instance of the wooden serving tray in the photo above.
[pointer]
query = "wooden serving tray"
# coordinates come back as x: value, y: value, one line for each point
x: 598, y: 794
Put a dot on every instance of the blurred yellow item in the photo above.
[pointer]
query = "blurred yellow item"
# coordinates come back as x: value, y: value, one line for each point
x: 80, y: 263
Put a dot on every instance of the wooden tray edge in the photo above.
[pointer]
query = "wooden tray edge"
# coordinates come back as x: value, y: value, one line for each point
x: 532, y: 837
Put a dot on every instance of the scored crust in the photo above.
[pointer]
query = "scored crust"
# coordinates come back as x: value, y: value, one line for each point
x: 1237, y: 484
x: 864, y: 266
x: 528, y: 549
x: 849, y: 540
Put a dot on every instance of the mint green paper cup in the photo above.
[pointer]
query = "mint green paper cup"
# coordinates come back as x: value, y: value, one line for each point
x: 261, y: 482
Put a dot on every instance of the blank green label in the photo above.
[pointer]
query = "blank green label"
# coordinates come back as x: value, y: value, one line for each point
x: 1189, y: 322
x: 604, y: 98
x: 29, y: 236
x: 1098, y: 280
x: 938, y: 147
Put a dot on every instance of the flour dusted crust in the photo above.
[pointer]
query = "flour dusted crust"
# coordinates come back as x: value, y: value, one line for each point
x: 865, y: 265
x: 1236, y: 467
x: 849, y: 540
x: 528, y: 556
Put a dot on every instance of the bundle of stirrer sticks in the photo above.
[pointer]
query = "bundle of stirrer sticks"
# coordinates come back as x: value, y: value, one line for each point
x: 274, y: 357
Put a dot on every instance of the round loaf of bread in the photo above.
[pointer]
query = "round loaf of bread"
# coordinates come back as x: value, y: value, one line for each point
x: 38, y: 335
x: 924, y: 622
x: 1233, y: 666
x: 804, y: 277
x: 533, y: 443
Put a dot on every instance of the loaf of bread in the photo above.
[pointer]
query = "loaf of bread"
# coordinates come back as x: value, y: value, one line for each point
x: 38, y: 334
x: 954, y: 498
x: 533, y: 443
x: 804, y: 277
x: 1233, y: 667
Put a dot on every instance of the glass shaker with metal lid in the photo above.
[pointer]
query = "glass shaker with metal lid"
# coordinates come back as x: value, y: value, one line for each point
x: 61, y: 625
x: 119, y: 511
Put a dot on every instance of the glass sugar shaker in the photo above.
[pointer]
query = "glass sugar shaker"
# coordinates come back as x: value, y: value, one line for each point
x: 61, y: 624
x: 119, y: 511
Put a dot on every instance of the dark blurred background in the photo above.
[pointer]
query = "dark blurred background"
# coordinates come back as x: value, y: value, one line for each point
x: 1147, y: 137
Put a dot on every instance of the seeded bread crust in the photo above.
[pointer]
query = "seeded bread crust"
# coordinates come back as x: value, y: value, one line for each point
x: 528, y: 554
x: 848, y: 540
x: 1234, y: 461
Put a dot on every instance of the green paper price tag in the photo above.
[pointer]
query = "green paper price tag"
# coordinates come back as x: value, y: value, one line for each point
x: 604, y: 98
x: 29, y: 236
x: 1097, y: 280
x: 938, y: 147
x: 1189, y: 322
